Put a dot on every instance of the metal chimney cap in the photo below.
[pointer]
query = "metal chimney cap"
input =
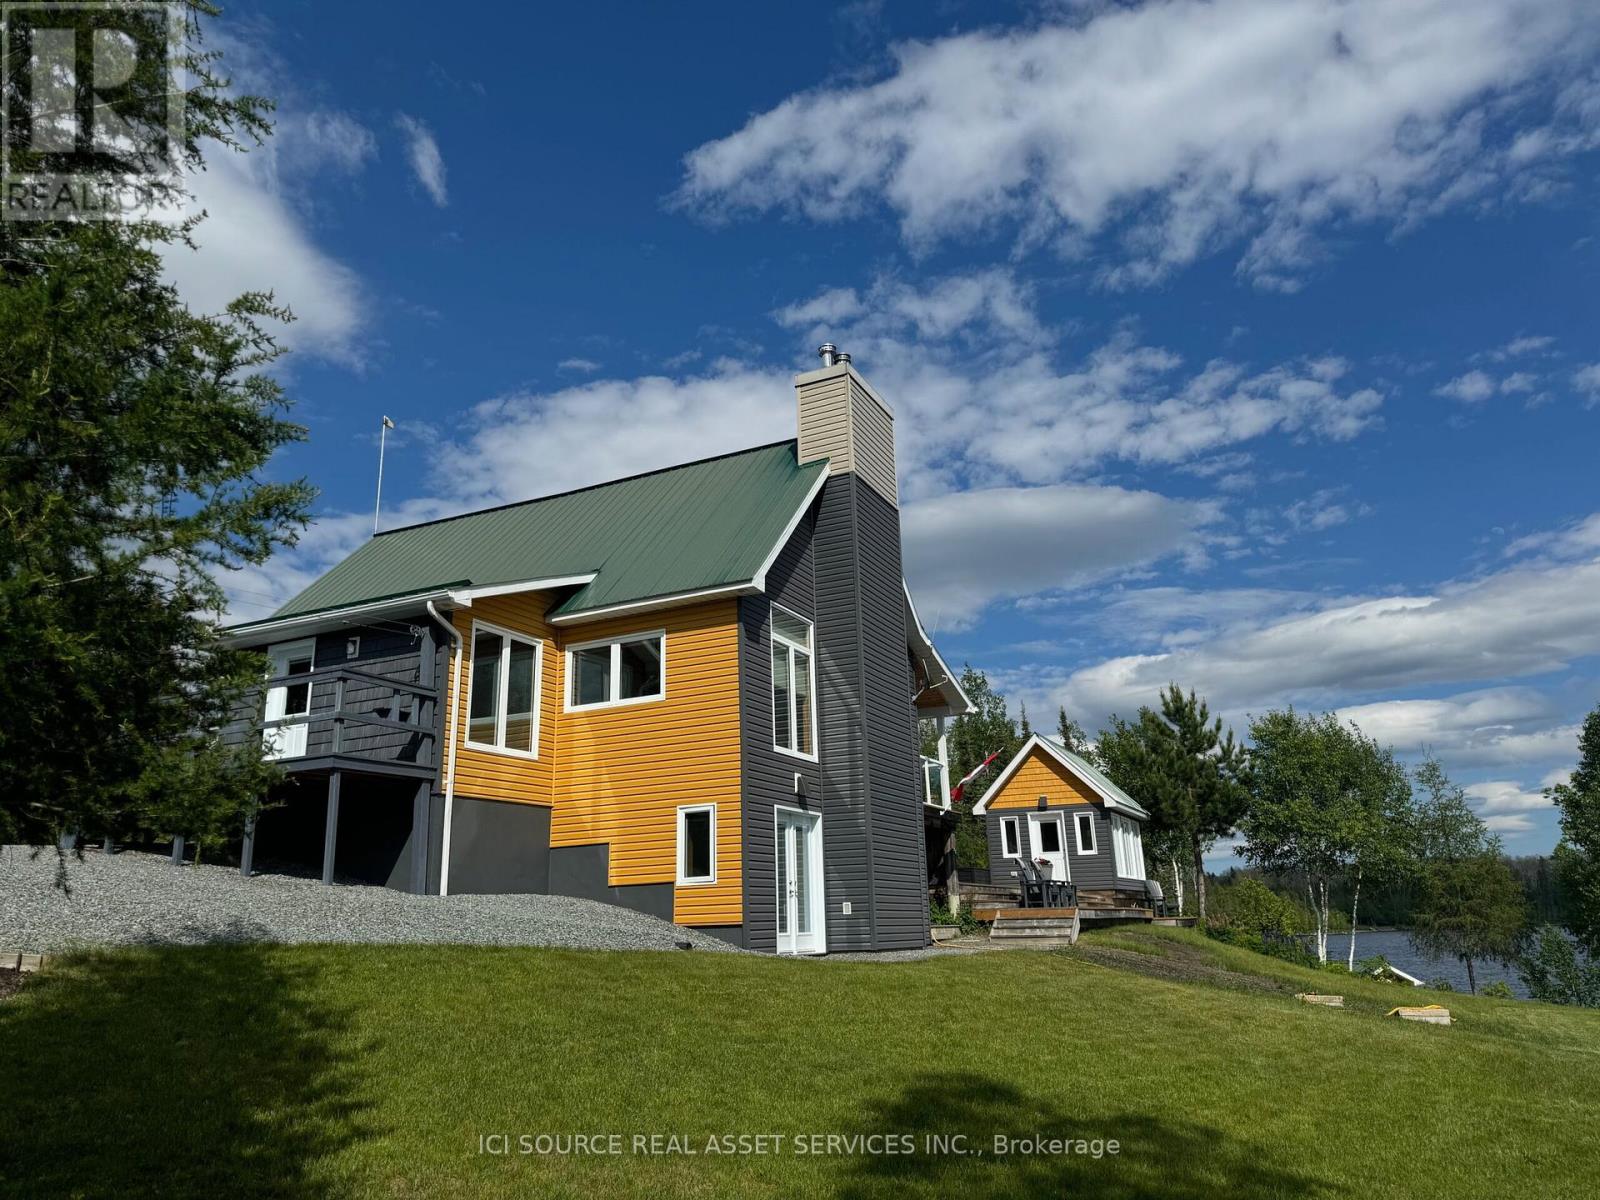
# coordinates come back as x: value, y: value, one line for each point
x: 844, y: 356
x: 829, y: 353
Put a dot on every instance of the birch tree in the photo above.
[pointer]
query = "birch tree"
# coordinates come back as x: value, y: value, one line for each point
x: 1328, y: 802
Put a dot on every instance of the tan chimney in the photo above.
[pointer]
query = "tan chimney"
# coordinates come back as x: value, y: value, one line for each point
x: 843, y: 420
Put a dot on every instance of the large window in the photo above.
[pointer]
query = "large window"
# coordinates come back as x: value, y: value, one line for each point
x: 794, y: 684
x: 623, y: 671
x: 1127, y: 847
x: 697, y: 843
x: 503, y: 706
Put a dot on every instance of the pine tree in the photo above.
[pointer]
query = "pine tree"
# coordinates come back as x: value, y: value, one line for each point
x: 1072, y: 734
x: 133, y: 434
x: 1577, y: 856
x: 1180, y: 766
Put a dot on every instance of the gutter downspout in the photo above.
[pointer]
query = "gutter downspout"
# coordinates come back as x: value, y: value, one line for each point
x: 450, y: 733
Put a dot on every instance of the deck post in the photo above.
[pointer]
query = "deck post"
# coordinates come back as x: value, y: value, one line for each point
x: 419, y: 837
x: 69, y: 841
x: 331, y: 838
x: 177, y: 850
x: 247, y: 848
x: 952, y: 881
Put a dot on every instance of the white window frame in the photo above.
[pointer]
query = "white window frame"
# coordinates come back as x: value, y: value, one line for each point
x: 501, y: 692
x: 1127, y: 841
x: 616, y: 644
x: 811, y: 669
x: 1016, y: 832
x: 696, y: 880
x: 1077, y: 830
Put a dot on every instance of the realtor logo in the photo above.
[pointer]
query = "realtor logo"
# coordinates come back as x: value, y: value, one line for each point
x: 91, y: 109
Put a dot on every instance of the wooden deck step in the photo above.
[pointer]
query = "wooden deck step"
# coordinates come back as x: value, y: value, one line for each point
x: 1035, y: 926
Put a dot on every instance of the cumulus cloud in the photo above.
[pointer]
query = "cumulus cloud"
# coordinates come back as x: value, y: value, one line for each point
x: 422, y: 152
x: 1495, y: 727
x: 255, y: 238
x: 1472, y: 388
x: 987, y: 400
x: 1522, y: 621
x: 1174, y: 128
x: 965, y: 550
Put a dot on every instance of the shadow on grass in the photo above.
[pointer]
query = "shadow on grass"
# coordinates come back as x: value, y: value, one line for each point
x: 1158, y: 1156
x: 212, y: 1071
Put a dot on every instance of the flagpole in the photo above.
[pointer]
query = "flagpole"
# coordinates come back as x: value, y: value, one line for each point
x: 383, y: 434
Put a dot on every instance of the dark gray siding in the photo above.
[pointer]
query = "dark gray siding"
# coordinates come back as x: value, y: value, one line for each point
x: 767, y: 775
x: 1093, y: 871
x: 407, y: 650
x: 584, y: 872
x: 872, y: 825
x: 499, y: 846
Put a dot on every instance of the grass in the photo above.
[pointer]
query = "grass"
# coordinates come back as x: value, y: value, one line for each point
x: 373, y: 1071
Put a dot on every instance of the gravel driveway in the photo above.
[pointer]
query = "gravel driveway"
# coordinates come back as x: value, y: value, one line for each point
x: 142, y: 899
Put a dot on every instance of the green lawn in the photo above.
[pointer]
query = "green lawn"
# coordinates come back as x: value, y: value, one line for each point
x: 334, y: 1071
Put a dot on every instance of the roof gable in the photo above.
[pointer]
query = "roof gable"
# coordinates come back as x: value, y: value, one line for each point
x: 703, y: 525
x: 1093, y: 779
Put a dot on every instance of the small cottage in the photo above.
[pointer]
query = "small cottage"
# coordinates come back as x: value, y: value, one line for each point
x: 1054, y: 809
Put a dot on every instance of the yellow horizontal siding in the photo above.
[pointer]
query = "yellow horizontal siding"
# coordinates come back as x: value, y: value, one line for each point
x: 622, y: 773
x: 1041, y: 775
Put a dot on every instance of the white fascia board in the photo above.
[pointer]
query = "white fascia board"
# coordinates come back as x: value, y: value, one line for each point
x: 760, y: 577
x: 463, y: 597
x: 1039, y: 741
x: 949, y: 680
x: 305, y: 624
x: 675, y: 600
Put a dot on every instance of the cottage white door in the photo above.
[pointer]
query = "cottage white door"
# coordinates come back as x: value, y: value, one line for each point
x: 798, y: 853
x: 288, y: 699
x: 1047, y: 842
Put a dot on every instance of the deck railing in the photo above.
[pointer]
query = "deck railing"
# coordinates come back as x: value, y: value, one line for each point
x: 422, y: 707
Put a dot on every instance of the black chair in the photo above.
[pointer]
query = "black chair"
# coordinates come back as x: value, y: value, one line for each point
x: 1035, y: 887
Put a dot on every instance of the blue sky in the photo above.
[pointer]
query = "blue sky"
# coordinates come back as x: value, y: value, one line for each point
x: 1250, y: 344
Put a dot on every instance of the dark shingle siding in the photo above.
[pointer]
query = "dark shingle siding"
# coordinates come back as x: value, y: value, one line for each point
x: 768, y: 776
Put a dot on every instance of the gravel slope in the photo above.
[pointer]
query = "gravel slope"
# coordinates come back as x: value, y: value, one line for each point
x: 133, y: 898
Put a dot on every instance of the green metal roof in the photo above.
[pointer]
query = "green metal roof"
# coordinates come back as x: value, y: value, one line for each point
x: 701, y: 525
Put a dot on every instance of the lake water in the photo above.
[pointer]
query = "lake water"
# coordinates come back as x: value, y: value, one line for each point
x: 1396, y: 947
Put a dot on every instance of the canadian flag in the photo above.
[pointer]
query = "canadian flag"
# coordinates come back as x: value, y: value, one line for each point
x: 955, y: 792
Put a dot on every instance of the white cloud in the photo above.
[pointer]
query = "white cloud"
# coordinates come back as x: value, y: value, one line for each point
x: 422, y: 152
x: 965, y: 550
x: 1576, y: 539
x: 1472, y: 388
x: 1502, y: 796
x: 1587, y: 381
x: 1522, y: 621
x: 254, y: 238
x: 323, y: 138
x: 1506, y: 726
x: 1518, y: 383
x: 1527, y: 344
x: 584, y: 366
x: 982, y: 400
x: 1180, y: 126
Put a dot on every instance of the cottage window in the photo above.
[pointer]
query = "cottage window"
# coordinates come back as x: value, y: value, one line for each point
x: 1127, y: 847
x: 1010, y: 841
x: 620, y: 671
x: 697, y: 843
x: 794, y: 684
x: 1085, y: 825
x: 503, y: 701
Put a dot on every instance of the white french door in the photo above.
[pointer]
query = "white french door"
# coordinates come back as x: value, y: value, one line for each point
x: 1047, y: 842
x: 288, y: 699
x: 799, y: 862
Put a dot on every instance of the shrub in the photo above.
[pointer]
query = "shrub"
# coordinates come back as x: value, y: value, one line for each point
x: 1440, y: 985
x: 1553, y: 971
x: 1276, y: 946
x: 1498, y: 990
x: 1252, y: 907
x: 940, y: 914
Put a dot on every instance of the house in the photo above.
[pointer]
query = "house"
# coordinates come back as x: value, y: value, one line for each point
x: 693, y: 692
x: 1053, y: 808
